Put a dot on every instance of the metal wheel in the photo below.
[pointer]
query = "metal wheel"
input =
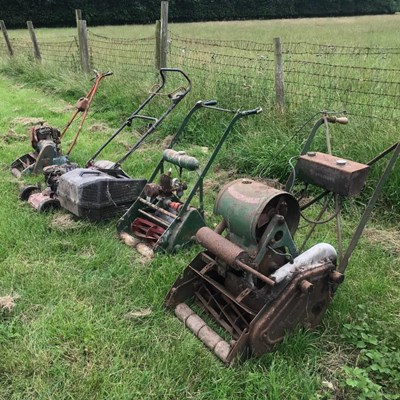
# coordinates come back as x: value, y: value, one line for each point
x: 48, y: 205
x: 26, y: 191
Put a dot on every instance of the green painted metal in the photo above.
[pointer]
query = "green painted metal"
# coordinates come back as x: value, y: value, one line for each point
x: 188, y: 219
x: 242, y: 204
x: 181, y: 232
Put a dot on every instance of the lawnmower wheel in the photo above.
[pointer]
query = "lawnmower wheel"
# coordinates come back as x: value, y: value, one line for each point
x: 48, y: 205
x: 26, y: 191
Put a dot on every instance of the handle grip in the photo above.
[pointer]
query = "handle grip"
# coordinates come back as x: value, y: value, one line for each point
x: 338, y: 120
x: 342, y: 120
x: 257, y: 110
x: 210, y: 103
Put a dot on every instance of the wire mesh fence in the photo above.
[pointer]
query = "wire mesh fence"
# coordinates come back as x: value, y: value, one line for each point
x: 136, y: 55
x: 336, y: 77
x: 64, y: 52
x: 359, y: 79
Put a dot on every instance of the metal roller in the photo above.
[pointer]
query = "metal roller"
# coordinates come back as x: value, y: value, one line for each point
x: 218, y: 245
x: 199, y: 327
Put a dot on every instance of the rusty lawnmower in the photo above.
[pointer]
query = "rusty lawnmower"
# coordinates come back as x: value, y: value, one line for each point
x: 254, y: 281
x: 46, y: 140
x: 102, y: 189
x: 159, y: 216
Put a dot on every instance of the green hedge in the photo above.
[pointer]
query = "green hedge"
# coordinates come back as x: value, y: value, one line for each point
x: 102, y: 12
x: 318, y: 8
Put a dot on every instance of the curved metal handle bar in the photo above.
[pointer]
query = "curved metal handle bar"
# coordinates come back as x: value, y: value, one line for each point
x: 238, y: 115
x: 163, y: 77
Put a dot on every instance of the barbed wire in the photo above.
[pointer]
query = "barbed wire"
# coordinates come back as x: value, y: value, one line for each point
x: 342, y: 77
x: 63, y: 52
x: 354, y: 67
x: 247, y: 68
x: 115, y: 53
x: 306, y: 48
x: 233, y: 44
x: 123, y: 40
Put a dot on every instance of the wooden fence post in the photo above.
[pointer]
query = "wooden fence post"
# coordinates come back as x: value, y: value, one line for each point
x: 32, y: 34
x: 164, y: 34
x: 83, y: 46
x: 157, y: 60
x: 6, y: 38
x: 279, y: 82
x: 78, y: 16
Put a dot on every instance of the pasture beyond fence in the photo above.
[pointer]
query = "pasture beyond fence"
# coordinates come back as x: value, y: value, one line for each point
x: 358, y: 79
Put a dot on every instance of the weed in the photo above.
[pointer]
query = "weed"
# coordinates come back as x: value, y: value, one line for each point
x: 376, y: 374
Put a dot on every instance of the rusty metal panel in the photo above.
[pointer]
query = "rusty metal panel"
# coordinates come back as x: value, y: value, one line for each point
x: 337, y: 175
x: 293, y: 308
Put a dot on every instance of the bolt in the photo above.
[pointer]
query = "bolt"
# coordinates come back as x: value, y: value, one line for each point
x: 341, y: 162
x: 306, y: 287
x: 336, y: 277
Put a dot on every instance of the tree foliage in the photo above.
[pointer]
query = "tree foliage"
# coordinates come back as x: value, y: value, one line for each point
x: 111, y: 12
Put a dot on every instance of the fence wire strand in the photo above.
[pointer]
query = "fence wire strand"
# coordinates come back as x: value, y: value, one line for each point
x: 361, y: 78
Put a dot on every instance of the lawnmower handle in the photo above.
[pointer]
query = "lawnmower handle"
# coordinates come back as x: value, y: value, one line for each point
x: 210, y: 103
x: 100, y: 74
x: 257, y: 110
x: 338, y: 120
x: 163, y: 77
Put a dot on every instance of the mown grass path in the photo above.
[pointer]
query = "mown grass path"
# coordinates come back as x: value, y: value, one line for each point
x: 76, y: 331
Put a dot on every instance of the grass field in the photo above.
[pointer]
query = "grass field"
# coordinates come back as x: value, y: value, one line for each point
x: 379, y: 31
x: 89, y: 321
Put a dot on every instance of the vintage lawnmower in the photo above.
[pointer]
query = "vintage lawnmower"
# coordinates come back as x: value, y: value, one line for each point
x: 160, y: 217
x: 254, y: 281
x: 102, y: 189
x: 46, y: 140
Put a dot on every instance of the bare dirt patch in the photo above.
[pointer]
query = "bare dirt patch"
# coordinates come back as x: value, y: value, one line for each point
x: 144, y: 312
x: 7, y: 303
x: 27, y: 121
x: 65, y: 222
x: 389, y: 238
x: 64, y: 109
x: 166, y: 142
x: 99, y: 128
x: 12, y: 136
x: 220, y: 178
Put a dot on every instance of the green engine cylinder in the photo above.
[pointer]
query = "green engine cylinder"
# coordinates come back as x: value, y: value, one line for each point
x: 247, y: 206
